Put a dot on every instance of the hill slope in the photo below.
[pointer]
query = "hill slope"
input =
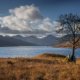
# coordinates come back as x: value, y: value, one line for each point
x: 10, y: 41
x: 46, y: 41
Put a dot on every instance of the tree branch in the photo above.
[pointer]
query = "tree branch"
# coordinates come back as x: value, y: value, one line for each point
x: 77, y: 40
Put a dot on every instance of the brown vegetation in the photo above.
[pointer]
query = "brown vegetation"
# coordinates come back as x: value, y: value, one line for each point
x: 42, y: 67
x: 68, y: 45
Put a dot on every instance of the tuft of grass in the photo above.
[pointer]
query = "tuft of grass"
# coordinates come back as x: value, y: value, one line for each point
x: 50, y: 55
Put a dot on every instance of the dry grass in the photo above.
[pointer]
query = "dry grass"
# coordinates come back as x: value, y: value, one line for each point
x: 68, y: 45
x: 42, y: 67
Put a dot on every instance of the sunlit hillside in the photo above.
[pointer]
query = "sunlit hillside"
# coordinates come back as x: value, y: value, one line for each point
x: 67, y: 44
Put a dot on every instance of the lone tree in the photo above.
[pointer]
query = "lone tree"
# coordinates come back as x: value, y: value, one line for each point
x: 70, y: 25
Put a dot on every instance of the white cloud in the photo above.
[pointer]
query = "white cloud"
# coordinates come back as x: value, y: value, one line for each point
x: 26, y: 12
x: 26, y: 19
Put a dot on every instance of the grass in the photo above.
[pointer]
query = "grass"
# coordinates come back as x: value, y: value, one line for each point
x: 41, y: 67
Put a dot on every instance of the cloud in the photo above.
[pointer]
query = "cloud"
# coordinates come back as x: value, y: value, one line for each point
x: 26, y: 20
x: 26, y: 12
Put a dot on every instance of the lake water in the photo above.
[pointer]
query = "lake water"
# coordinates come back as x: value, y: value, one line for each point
x: 29, y: 51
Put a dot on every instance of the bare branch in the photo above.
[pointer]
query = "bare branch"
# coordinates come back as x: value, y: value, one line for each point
x: 77, y: 40
x: 71, y: 25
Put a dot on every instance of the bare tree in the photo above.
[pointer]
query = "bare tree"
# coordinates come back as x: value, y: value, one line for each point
x: 70, y: 25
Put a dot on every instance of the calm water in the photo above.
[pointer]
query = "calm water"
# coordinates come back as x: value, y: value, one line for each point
x: 33, y: 50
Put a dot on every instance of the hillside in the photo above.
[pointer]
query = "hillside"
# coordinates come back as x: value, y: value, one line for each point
x: 49, y: 67
x: 67, y: 44
x: 49, y: 40
x: 11, y: 41
x: 45, y: 41
x: 19, y: 40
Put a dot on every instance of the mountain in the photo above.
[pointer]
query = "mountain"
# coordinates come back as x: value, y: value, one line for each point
x: 27, y: 41
x: 11, y: 41
x: 46, y: 41
x: 49, y: 40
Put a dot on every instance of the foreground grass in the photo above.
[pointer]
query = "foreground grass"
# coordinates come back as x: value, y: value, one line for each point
x: 42, y: 67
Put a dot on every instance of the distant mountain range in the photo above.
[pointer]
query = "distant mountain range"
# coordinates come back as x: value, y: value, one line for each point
x: 46, y: 41
x: 11, y: 41
x: 18, y: 40
x: 27, y: 41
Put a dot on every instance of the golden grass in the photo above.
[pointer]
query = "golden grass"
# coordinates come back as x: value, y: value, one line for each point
x: 42, y: 67
x: 68, y: 45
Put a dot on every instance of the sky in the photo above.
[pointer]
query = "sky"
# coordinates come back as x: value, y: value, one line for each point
x: 34, y: 17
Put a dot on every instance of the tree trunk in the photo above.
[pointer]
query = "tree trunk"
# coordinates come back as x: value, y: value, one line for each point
x: 72, y: 57
x: 73, y: 54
